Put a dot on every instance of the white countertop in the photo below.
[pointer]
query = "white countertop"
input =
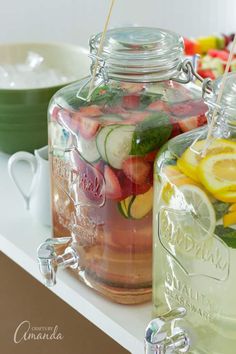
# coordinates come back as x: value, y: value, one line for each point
x: 20, y: 236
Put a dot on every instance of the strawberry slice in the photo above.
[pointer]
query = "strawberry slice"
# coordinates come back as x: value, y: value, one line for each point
x: 201, y: 120
x: 175, y: 130
x: 137, y: 189
x: 113, y: 188
x: 150, y: 157
x: 175, y: 127
x: 181, y: 109
x: 132, y: 87
x: 131, y: 101
x: 136, y: 169
x: 134, y: 117
x: 191, y: 123
x: 199, y: 107
x: 88, y: 127
x: 130, y: 188
x: 158, y: 106
x: 187, y: 124
x: 91, y: 111
x: 185, y: 109
x: 114, y: 110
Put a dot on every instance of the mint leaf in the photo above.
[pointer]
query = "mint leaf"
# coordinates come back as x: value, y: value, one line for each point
x: 151, y: 133
x: 227, y: 234
x: 105, y: 95
x: 147, y: 98
x: 221, y: 209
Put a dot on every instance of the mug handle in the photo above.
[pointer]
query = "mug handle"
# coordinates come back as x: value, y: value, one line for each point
x: 31, y: 159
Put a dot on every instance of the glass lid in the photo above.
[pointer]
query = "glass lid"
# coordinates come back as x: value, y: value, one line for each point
x: 140, y: 53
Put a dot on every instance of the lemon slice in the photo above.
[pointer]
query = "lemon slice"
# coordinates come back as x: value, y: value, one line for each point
x: 189, y: 161
x: 218, y: 173
x: 232, y: 207
x: 227, y: 197
x: 200, y: 206
x: 175, y: 176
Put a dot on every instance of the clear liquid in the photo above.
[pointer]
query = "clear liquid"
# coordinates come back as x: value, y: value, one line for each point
x: 210, y: 303
x: 93, y: 196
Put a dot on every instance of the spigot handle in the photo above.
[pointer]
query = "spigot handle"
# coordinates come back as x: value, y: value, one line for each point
x: 49, y: 260
x: 159, y: 341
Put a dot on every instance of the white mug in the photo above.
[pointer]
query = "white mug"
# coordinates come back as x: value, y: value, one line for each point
x: 37, y: 198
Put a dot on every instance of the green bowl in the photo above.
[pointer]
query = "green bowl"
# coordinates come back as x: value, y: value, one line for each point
x: 23, y: 112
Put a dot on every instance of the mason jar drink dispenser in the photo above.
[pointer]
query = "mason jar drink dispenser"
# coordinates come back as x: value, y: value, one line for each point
x: 103, y: 138
x: 194, y: 284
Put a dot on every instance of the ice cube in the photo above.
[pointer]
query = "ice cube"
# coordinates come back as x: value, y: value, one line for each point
x: 32, y: 73
x: 34, y: 60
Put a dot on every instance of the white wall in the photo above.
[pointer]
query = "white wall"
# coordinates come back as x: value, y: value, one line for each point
x: 75, y: 20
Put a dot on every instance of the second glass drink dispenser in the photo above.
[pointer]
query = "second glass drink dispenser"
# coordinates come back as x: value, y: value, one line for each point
x: 194, y: 285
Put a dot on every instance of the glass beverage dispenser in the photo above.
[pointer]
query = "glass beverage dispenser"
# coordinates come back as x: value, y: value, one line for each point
x: 102, y: 149
x: 194, y: 287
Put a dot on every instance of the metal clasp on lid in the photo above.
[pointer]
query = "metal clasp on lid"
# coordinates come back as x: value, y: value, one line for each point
x: 101, y: 78
x: 50, y: 261
x: 157, y: 340
x: 187, y: 70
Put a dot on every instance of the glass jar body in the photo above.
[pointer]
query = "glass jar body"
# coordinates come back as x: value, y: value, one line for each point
x: 195, y: 238
x: 101, y: 156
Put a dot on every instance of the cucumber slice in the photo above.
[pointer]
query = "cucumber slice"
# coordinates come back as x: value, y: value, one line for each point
x: 122, y: 209
x: 88, y: 149
x: 128, y: 201
x: 101, y: 137
x: 118, y: 145
x: 123, y: 206
x: 141, y: 205
x: 136, y: 207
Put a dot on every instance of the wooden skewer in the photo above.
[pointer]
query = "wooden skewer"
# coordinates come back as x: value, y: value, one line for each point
x: 211, y: 127
x: 100, y: 47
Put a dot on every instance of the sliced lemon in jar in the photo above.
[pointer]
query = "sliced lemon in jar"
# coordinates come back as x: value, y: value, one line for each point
x: 232, y: 207
x: 167, y: 192
x: 190, y: 159
x: 229, y: 219
x: 198, y: 203
x: 218, y: 173
x: 175, y: 176
x: 227, y: 197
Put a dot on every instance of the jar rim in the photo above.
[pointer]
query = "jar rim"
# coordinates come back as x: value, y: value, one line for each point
x: 140, y: 53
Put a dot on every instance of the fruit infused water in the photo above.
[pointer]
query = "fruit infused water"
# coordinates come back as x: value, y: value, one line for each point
x: 195, y: 230
x: 102, y: 153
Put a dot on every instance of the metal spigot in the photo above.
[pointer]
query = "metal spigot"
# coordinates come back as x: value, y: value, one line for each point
x: 50, y: 261
x: 157, y: 340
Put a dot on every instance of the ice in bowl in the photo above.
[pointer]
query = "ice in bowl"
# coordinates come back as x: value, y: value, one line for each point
x: 31, y: 73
